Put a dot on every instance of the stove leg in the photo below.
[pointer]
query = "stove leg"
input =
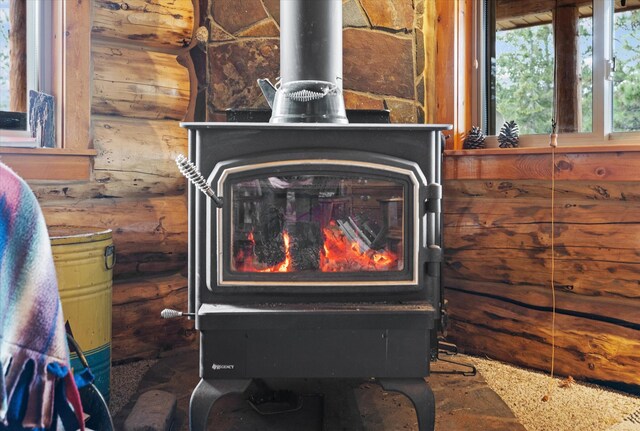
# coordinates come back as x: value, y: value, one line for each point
x: 206, y: 394
x: 420, y: 394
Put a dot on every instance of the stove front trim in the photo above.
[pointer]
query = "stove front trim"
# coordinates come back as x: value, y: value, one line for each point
x: 416, y: 177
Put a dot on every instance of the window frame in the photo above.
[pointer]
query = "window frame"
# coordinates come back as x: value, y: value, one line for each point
x: 69, y: 77
x: 38, y: 27
x: 602, y: 133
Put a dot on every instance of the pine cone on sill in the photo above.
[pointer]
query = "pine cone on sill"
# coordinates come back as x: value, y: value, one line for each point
x: 474, y: 139
x: 509, y: 135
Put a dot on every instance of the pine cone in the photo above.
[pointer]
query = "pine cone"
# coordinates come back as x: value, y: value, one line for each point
x: 509, y: 135
x: 474, y: 139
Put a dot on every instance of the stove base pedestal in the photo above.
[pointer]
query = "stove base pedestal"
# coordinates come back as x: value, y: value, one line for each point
x: 420, y: 394
x: 205, y: 396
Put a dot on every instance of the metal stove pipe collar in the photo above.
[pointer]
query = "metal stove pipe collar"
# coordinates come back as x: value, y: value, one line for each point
x: 311, y: 41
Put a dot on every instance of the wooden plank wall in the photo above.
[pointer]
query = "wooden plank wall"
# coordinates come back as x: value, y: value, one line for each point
x: 498, y: 260
x: 139, y: 95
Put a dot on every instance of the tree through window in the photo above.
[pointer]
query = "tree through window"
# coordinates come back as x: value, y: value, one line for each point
x: 527, y: 39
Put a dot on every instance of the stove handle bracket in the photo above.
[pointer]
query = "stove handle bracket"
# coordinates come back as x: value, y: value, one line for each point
x: 434, y: 198
x: 434, y: 254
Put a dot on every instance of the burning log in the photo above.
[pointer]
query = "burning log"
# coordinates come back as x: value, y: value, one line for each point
x: 269, y: 241
x: 308, y: 248
x: 306, y: 245
x: 352, y: 235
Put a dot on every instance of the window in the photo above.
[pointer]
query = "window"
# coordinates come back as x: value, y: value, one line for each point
x: 626, y: 79
x: 24, y: 58
x: 577, y: 61
x: 66, y: 75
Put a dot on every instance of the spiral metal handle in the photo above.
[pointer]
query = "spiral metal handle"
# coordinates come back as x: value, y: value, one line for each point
x: 305, y: 95
x: 192, y: 173
x: 169, y: 313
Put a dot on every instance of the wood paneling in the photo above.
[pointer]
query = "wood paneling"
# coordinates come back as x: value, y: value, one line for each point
x: 138, y: 330
x: 529, y: 189
x: 430, y: 43
x: 518, y: 270
x: 129, y: 163
x: 577, y: 165
x: 150, y: 233
x: 148, y: 23
x: 73, y: 85
x: 585, y: 348
x: 48, y: 163
x: 454, y: 67
x: 139, y: 84
x: 497, y: 256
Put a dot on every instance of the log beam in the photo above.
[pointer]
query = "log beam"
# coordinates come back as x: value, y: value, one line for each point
x: 507, y: 10
x: 138, y: 84
x: 138, y: 330
x: 157, y: 25
x: 567, y: 75
x: 585, y: 348
x: 18, y: 55
x: 517, y: 9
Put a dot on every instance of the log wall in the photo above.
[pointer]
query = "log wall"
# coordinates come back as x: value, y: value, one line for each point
x: 140, y: 92
x: 498, y: 260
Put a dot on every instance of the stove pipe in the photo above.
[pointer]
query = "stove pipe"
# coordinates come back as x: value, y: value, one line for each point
x: 311, y: 41
x: 310, y: 63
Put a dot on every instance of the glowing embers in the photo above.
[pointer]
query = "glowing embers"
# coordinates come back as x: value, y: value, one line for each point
x: 340, y: 251
x: 342, y: 254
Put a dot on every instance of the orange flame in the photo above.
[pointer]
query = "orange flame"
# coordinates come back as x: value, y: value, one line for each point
x: 338, y: 254
x: 342, y: 255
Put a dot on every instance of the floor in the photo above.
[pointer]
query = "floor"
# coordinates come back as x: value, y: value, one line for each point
x: 463, y: 403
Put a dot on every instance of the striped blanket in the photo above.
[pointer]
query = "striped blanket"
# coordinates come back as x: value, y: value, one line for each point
x: 36, y: 387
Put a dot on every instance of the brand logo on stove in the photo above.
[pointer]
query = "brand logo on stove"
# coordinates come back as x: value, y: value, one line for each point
x: 222, y: 367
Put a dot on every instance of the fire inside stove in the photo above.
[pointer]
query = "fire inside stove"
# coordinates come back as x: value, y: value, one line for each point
x: 318, y: 223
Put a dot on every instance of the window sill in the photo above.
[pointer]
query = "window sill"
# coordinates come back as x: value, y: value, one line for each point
x: 57, y: 164
x: 545, y: 150
x: 587, y: 163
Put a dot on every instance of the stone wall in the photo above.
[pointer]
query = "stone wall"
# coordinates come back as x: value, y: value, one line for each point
x: 384, y: 56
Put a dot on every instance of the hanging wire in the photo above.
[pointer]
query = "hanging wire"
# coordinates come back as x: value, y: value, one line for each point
x: 553, y: 143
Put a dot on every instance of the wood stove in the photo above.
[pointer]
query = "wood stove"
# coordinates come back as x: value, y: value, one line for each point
x: 319, y: 256
x: 315, y: 249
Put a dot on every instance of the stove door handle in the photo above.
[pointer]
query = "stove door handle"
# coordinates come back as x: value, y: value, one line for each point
x: 192, y: 173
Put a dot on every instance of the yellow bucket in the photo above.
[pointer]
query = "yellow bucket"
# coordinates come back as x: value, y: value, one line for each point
x: 84, y: 259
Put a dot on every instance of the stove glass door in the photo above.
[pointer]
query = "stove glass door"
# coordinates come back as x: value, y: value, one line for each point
x: 315, y: 225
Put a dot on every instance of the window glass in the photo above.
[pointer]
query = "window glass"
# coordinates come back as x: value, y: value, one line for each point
x: 521, y: 76
x: 586, y: 72
x: 626, y: 86
x: 317, y: 224
x: 5, y: 82
x: 524, y: 78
